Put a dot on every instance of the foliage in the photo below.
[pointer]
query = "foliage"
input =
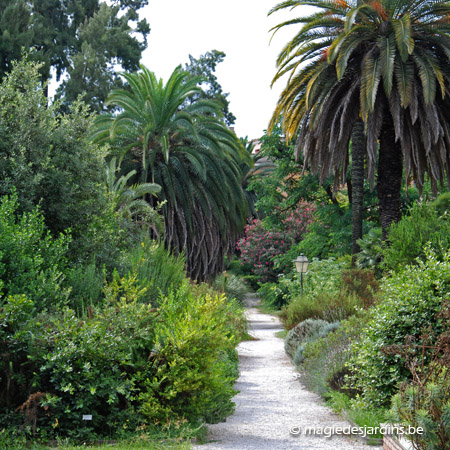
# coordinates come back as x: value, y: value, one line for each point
x: 109, y: 38
x: 128, y: 201
x: 442, y: 204
x: 408, y: 237
x: 411, y: 300
x: 31, y: 261
x: 425, y: 400
x: 331, y: 292
x: 204, y: 67
x: 341, y: 403
x: 371, y: 254
x: 324, y: 365
x: 127, y: 364
x: 85, y: 40
x: 45, y: 156
x: 191, y: 154
x: 259, y: 247
x: 158, y: 270
x: 232, y: 286
x: 190, y: 374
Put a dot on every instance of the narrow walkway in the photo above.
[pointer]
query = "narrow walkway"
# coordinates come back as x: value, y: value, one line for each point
x: 272, y: 400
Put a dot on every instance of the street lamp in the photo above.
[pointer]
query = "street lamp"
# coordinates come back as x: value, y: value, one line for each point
x: 301, y: 265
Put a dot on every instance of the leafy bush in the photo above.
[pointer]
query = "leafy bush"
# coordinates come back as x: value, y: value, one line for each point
x: 259, y: 247
x: 190, y: 373
x: 425, y: 400
x: 324, y: 360
x: 301, y: 332
x: 232, y: 286
x: 442, y: 204
x: 31, y: 261
x: 408, y: 237
x: 411, y: 300
x: 45, y: 155
x: 157, y: 269
x: 331, y: 292
x: 123, y: 363
x: 320, y: 333
x: 371, y: 254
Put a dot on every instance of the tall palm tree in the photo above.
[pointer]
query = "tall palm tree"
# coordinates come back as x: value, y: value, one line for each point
x: 384, y: 61
x: 187, y: 149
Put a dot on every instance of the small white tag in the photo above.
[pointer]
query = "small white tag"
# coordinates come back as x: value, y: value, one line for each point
x: 87, y: 416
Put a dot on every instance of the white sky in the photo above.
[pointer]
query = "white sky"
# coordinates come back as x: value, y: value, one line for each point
x: 240, y: 28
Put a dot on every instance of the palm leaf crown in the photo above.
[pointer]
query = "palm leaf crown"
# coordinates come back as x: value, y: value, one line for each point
x: 381, y: 60
x: 186, y: 148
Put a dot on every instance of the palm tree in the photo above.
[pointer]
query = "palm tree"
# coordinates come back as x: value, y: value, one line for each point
x: 187, y: 149
x: 128, y: 200
x: 385, y: 62
x: 254, y: 165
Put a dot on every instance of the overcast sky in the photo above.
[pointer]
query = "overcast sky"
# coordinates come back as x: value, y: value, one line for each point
x: 240, y: 28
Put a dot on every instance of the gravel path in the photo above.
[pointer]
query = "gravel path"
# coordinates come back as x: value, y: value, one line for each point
x: 272, y: 400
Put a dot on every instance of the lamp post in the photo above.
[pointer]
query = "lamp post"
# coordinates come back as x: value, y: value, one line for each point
x: 301, y: 265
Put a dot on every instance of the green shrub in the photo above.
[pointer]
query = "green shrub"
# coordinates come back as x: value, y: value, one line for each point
x: 425, y: 400
x: 275, y: 295
x: 331, y: 292
x: 442, y: 204
x: 324, y: 360
x: 411, y: 301
x: 231, y: 285
x: 371, y: 254
x: 331, y: 308
x: 301, y: 332
x: 408, y: 237
x: 299, y: 355
x: 32, y: 262
x: 157, y: 269
x: 86, y: 284
x: 124, y: 363
x: 190, y: 376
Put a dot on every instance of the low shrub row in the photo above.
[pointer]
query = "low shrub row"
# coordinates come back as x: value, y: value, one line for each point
x: 126, y: 364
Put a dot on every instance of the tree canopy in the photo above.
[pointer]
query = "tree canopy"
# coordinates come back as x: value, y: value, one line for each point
x: 83, y: 39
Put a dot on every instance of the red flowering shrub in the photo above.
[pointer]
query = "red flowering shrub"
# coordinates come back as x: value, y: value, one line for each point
x: 259, y: 247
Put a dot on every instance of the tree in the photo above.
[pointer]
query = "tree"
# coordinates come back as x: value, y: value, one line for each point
x: 128, y: 200
x: 204, y: 67
x: 46, y: 158
x: 82, y: 38
x: 15, y: 32
x: 385, y: 62
x: 182, y: 146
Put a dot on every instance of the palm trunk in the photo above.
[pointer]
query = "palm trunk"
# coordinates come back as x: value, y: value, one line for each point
x: 358, y: 154
x: 390, y: 172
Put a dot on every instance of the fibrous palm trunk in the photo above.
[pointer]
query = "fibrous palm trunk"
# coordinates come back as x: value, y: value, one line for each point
x: 358, y: 155
x: 390, y: 171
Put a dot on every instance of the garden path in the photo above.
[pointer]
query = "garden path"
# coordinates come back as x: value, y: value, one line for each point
x: 271, y: 399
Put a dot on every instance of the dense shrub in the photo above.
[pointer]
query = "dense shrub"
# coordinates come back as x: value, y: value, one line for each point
x: 46, y: 157
x: 31, y: 261
x: 307, y: 331
x: 259, y: 247
x: 231, y: 285
x: 126, y: 363
x: 411, y: 300
x: 425, y: 400
x: 189, y: 370
x: 408, y: 237
x: 157, y: 269
x: 324, y: 360
x: 300, y: 332
x: 331, y: 292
